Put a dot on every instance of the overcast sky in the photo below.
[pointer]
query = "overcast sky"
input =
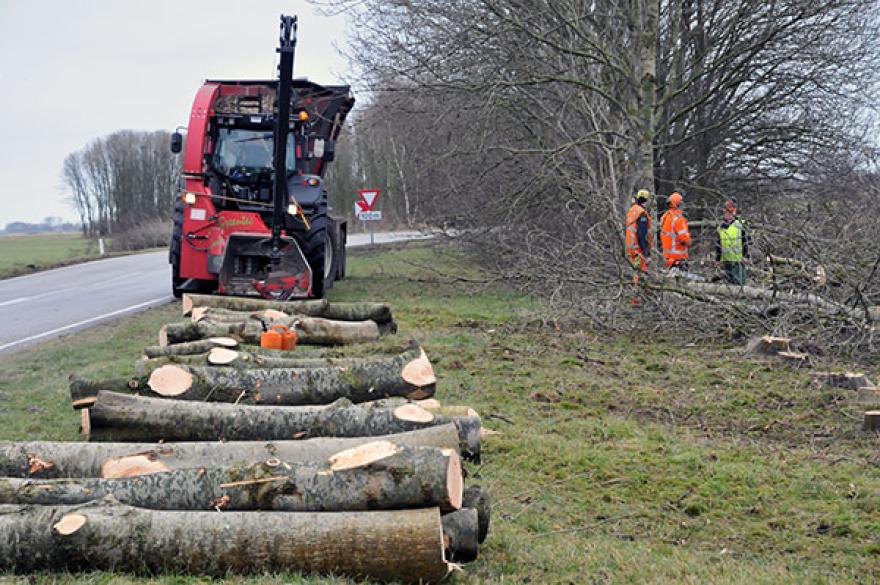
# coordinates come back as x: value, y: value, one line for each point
x: 71, y: 71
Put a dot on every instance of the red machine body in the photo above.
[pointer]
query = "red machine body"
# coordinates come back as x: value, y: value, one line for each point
x: 223, y: 222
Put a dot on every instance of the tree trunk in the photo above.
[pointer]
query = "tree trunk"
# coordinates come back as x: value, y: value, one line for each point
x: 374, y: 476
x: 872, y: 420
x: 477, y: 497
x: 241, y: 358
x: 404, y: 545
x: 116, y: 417
x: 378, y: 312
x: 64, y: 460
x: 460, y: 530
x: 409, y: 374
x: 309, y: 331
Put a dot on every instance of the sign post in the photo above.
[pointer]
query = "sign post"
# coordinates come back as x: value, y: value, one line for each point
x: 363, y: 209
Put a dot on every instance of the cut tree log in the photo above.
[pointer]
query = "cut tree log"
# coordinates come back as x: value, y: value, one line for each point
x: 849, y: 380
x: 432, y: 405
x: 122, y: 417
x: 768, y: 345
x: 460, y: 529
x: 70, y: 460
x: 403, y: 545
x: 309, y: 331
x: 408, y: 374
x: 872, y: 420
x: 379, y: 312
x: 374, y: 476
x: 190, y: 347
x: 238, y: 358
x: 477, y: 497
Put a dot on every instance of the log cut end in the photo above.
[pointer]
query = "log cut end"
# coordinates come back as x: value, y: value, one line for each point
x: 362, y: 455
x: 69, y: 524
x: 163, y: 336
x: 170, y: 380
x: 454, y: 479
x: 186, y: 304
x: 872, y: 420
x: 419, y: 372
x: 85, y: 425
x: 132, y: 465
x: 430, y: 404
x: 221, y: 356
x: 413, y: 413
x: 273, y: 314
x: 223, y: 341
x: 198, y: 314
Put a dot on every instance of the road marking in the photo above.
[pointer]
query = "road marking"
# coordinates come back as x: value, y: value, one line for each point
x: 14, y: 301
x: 23, y: 299
x: 83, y: 322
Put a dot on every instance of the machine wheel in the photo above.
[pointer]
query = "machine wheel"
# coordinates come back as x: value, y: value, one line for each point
x: 174, y: 250
x: 318, y: 250
x: 341, y: 252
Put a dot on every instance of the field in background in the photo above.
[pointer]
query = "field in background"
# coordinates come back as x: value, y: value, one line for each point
x: 618, y: 460
x: 31, y: 252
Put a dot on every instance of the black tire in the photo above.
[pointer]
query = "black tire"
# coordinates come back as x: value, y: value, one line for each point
x: 314, y: 246
x: 174, y: 250
x: 341, y: 252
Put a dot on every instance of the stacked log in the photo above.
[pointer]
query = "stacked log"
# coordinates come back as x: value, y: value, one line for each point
x: 320, y: 459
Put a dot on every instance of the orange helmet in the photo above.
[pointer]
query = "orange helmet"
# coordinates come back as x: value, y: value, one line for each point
x: 675, y: 199
x: 730, y: 206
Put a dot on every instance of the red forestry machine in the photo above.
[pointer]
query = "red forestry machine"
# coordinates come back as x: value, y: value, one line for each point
x: 253, y: 217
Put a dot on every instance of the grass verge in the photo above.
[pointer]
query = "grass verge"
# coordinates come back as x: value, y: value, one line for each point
x: 624, y: 460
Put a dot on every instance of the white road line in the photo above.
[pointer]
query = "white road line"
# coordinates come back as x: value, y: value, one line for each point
x: 83, y: 322
x: 23, y: 299
x: 14, y: 301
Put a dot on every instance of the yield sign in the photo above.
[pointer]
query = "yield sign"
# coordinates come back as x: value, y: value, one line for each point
x: 368, y: 198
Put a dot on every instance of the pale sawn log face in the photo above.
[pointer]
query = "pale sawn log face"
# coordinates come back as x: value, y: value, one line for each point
x: 63, y: 460
x: 407, y: 477
x: 123, y: 538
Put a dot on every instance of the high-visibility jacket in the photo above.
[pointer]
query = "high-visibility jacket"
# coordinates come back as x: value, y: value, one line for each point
x: 632, y: 237
x: 674, y: 236
x: 731, y: 240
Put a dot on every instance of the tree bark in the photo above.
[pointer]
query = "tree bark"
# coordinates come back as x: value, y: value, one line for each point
x: 383, y: 476
x: 246, y: 358
x: 116, y: 417
x: 189, y: 347
x: 379, y: 312
x: 309, y: 331
x: 408, y: 374
x: 404, y: 545
x: 69, y: 460
x: 477, y: 497
x: 460, y: 530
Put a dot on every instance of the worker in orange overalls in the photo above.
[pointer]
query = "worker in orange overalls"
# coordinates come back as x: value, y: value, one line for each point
x: 638, y: 243
x: 675, y: 239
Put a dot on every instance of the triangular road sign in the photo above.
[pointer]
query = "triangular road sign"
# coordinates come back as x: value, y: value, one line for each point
x: 369, y: 197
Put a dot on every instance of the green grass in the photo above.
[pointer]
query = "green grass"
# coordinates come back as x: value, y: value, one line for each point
x: 619, y: 459
x: 27, y: 253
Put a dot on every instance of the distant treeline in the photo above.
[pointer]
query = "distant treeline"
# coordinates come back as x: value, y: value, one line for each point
x: 49, y: 224
x: 122, y: 181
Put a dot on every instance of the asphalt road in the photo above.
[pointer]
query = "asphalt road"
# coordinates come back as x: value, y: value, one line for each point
x: 47, y: 304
